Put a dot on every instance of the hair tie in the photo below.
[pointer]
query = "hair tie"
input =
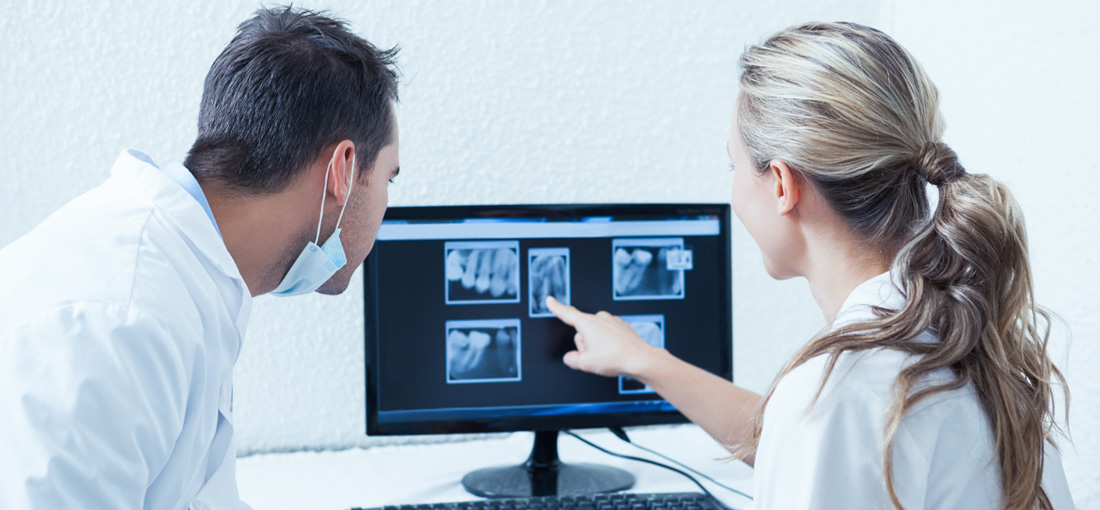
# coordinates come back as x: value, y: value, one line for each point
x: 938, y: 164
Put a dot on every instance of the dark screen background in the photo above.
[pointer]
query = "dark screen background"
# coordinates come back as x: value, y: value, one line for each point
x: 411, y: 316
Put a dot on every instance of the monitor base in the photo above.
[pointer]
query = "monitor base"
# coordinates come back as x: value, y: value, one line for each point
x: 543, y: 474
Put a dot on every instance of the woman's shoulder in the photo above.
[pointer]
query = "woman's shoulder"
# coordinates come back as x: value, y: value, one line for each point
x: 942, y: 442
x: 865, y: 381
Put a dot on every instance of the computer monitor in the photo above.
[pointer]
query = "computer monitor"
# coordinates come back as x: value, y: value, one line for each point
x: 458, y: 339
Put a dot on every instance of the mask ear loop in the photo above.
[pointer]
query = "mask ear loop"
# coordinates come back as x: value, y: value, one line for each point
x: 328, y: 168
x: 351, y: 184
x: 324, y: 191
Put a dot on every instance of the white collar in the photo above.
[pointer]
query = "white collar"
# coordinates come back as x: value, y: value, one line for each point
x: 879, y: 291
x: 140, y: 174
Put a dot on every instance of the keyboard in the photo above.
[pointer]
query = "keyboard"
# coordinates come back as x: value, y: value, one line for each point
x: 613, y: 501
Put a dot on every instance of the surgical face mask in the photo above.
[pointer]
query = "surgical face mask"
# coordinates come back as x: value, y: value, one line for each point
x: 316, y: 264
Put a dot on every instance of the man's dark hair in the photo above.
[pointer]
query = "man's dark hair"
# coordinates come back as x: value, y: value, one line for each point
x: 290, y: 83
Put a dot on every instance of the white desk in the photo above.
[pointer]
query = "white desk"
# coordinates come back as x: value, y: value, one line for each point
x: 432, y: 473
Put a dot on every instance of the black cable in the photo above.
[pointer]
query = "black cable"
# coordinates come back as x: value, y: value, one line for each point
x: 621, y: 434
x: 655, y: 463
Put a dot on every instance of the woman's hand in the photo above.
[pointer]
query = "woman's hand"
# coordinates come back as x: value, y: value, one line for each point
x: 606, y: 344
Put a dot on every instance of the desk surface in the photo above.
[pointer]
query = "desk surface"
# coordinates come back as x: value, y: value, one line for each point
x: 431, y: 473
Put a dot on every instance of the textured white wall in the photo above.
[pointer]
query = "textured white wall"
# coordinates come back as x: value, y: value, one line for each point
x: 1018, y: 83
x: 564, y: 101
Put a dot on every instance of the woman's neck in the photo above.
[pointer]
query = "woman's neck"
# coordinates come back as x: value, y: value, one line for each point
x: 837, y: 266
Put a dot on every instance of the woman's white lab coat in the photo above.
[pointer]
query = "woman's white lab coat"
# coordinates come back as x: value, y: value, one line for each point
x: 121, y: 317
x: 830, y: 455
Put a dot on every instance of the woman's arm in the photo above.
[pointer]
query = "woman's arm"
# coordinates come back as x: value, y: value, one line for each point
x: 607, y: 345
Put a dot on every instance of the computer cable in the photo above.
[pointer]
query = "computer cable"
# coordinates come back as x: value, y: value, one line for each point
x: 655, y: 463
x: 621, y: 434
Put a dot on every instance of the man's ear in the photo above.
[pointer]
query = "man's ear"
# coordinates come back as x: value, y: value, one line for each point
x: 786, y: 185
x: 341, y: 171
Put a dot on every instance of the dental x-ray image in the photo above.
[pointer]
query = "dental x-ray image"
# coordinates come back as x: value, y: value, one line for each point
x: 547, y: 275
x: 640, y: 269
x: 483, y: 351
x: 652, y: 329
x: 481, y: 272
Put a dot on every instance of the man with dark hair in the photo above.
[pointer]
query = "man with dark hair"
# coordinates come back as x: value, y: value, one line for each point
x: 122, y: 314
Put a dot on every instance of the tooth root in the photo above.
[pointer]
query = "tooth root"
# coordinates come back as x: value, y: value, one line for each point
x: 622, y: 261
x: 499, y: 273
x: 470, y: 276
x: 630, y: 269
x: 484, y: 271
x: 558, y: 280
x: 502, y: 268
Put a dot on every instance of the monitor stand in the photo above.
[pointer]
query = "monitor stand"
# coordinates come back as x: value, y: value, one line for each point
x: 544, y: 475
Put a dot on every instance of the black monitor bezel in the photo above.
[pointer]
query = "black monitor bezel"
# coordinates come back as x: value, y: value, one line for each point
x: 528, y: 423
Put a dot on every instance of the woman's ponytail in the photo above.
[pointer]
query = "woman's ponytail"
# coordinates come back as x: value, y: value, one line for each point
x: 968, y: 273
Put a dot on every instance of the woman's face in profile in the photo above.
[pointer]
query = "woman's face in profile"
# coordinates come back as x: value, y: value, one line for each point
x: 753, y: 200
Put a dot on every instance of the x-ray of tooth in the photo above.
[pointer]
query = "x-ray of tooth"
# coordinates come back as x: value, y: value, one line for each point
x: 481, y: 272
x: 547, y: 275
x: 640, y: 269
x: 483, y: 351
x: 652, y: 330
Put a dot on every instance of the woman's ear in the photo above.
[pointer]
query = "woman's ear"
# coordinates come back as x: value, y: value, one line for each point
x: 786, y: 186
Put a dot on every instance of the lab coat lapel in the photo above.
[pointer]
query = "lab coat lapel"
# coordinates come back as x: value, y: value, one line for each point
x: 140, y: 175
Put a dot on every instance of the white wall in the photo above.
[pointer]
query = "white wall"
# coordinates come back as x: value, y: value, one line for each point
x: 563, y: 101
x: 1019, y: 88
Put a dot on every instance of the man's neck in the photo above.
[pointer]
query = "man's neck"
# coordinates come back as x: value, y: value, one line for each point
x: 260, y: 232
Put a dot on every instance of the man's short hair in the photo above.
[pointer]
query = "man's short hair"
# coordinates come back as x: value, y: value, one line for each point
x: 289, y: 84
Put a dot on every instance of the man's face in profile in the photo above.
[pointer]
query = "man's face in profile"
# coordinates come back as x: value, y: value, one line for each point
x: 366, y: 207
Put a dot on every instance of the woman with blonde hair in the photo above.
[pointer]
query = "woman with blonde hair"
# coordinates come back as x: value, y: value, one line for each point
x: 931, y: 387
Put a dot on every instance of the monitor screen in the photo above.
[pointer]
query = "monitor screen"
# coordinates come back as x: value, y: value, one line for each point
x: 458, y: 338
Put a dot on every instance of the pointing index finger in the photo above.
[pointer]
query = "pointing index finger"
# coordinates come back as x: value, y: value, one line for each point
x: 566, y: 313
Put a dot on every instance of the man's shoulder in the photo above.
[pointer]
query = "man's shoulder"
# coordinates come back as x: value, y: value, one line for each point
x: 101, y: 248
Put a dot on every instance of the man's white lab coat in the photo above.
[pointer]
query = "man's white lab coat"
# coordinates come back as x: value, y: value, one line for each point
x: 121, y: 317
